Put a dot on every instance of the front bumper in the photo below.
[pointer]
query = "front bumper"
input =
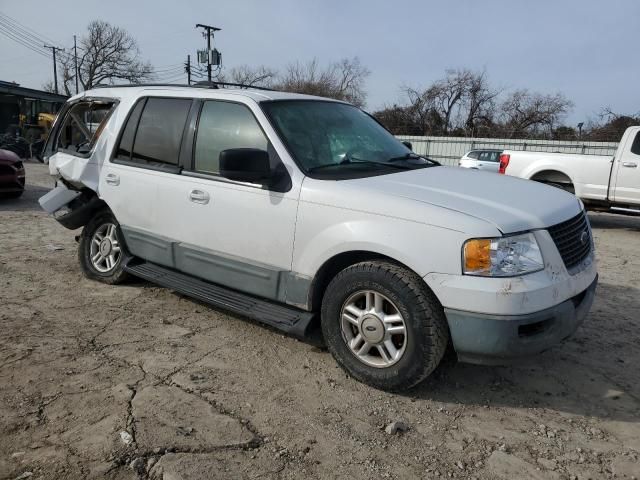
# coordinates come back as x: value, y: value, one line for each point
x: 496, y: 339
x: 12, y: 182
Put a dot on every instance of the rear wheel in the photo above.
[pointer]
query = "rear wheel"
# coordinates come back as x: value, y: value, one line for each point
x: 101, y: 251
x: 383, y: 325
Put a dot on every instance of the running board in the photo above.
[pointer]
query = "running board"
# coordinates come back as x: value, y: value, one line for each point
x: 287, y: 319
x: 633, y: 211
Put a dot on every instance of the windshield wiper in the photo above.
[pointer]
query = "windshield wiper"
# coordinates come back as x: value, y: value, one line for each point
x: 352, y: 160
x: 412, y: 156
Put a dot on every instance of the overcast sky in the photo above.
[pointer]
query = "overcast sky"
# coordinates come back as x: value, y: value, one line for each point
x: 587, y: 49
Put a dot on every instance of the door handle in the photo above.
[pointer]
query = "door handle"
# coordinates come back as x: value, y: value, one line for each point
x: 112, y: 179
x: 629, y: 164
x: 199, y: 196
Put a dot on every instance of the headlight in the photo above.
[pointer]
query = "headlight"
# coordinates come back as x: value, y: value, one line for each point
x: 502, y: 257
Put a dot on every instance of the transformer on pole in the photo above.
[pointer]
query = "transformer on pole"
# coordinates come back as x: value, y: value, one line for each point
x: 209, y: 56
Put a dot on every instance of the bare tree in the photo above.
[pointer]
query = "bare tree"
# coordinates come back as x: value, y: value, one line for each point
x: 524, y: 111
x: 342, y: 80
x: 448, y: 94
x: 106, y: 54
x: 611, y: 125
x: 403, y: 120
x: 49, y: 87
x: 479, y: 101
x: 465, y: 103
x: 260, y: 76
x: 458, y: 100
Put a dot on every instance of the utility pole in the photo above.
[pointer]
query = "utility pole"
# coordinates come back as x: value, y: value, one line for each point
x: 208, y: 29
x: 187, y: 68
x: 55, y: 69
x: 75, y: 60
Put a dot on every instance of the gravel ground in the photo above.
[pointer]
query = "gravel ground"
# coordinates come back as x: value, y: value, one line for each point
x: 135, y: 381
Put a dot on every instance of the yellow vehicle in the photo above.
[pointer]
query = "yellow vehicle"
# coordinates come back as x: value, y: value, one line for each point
x: 36, y: 131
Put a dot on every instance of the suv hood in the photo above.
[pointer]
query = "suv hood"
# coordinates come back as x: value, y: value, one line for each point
x: 509, y: 204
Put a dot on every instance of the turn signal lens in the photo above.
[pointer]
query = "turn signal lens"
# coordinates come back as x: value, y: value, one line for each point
x: 477, y: 255
x: 502, y: 256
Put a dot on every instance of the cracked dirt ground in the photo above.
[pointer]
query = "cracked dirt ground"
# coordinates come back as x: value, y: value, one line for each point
x: 203, y: 394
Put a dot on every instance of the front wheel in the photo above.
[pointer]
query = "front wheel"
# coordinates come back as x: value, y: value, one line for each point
x: 383, y: 325
x: 101, y: 251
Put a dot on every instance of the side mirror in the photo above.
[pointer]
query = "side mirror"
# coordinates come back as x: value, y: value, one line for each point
x: 408, y: 145
x: 245, y: 165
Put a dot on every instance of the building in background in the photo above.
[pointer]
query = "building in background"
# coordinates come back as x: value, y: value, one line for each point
x: 27, y: 112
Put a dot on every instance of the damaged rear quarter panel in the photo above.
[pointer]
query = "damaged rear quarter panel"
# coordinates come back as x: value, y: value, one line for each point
x: 83, y: 170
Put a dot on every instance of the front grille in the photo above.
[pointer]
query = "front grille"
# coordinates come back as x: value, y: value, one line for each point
x: 7, y: 170
x: 574, y: 246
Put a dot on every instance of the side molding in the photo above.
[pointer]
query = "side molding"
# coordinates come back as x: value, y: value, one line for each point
x: 231, y: 272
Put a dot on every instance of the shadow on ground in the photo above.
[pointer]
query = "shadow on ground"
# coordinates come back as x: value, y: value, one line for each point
x: 614, y: 222
x: 27, y: 202
x: 594, y: 373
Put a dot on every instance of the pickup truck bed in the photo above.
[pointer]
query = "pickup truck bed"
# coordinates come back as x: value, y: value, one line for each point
x: 601, y: 182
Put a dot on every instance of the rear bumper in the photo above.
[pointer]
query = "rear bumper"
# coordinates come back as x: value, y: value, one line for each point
x: 72, y: 209
x: 496, y: 339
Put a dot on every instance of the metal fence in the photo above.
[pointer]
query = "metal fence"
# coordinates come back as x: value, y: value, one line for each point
x: 448, y: 150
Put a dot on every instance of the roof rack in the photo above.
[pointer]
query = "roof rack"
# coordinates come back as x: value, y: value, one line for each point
x: 208, y: 84
x: 202, y: 84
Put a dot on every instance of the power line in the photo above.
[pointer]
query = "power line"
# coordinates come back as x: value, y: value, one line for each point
x: 27, y: 36
x: 25, y: 28
x: 179, y: 68
x: 19, y: 35
x: 169, y: 67
x: 172, y: 78
x: 17, y: 39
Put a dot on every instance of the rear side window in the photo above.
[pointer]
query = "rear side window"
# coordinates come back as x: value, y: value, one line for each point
x: 82, y: 126
x: 490, y: 156
x: 473, y: 155
x: 160, y: 130
x: 153, y: 132
x: 635, y: 146
x: 222, y: 126
x: 128, y: 135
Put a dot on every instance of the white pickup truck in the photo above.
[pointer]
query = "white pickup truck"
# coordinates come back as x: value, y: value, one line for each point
x: 602, y: 182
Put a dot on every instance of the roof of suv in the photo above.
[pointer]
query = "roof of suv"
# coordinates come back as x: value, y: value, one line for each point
x: 135, y: 91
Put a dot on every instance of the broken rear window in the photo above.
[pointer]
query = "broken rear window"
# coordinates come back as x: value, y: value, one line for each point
x: 82, y: 126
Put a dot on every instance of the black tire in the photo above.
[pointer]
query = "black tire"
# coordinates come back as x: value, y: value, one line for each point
x: 425, y: 322
x: 114, y: 275
x: 17, y: 194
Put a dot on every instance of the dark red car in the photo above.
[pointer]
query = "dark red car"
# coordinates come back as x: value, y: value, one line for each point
x: 11, y: 175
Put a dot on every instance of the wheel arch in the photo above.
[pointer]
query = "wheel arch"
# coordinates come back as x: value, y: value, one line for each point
x: 332, y: 266
x: 551, y: 175
x: 82, y: 209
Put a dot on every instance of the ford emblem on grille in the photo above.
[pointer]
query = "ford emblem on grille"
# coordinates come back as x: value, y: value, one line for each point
x: 584, y: 237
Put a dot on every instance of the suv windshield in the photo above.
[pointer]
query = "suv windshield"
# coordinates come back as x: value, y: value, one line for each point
x: 338, y: 141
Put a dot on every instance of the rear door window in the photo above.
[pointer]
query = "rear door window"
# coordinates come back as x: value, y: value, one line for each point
x: 159, y: 134
x: 490, y: 156
x: 125, y: 147
x: 82, y: 126
x: 635, y: 146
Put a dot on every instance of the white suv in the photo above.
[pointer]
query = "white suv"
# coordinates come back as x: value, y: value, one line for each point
x: 290, y: 208
x: 488, y: 160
